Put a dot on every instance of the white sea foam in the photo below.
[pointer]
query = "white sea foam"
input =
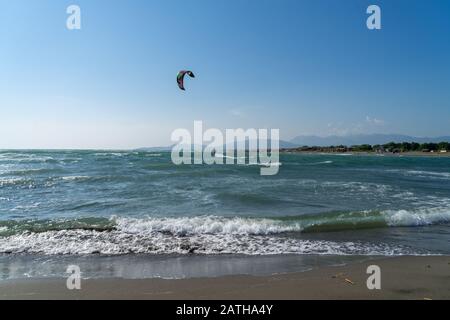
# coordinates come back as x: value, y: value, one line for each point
x: 221, y: 155
x: 26, y: 207
x: 119, y: 242
x: 187, y: 226
x: 114, y: 154
x: 354, y: 186
x: 421, y: 173
x: 422, y: 217
x: 75, y: 178
x: 206, y: 225
x: 321, y: 162
x: 7, y: 182
x: 210, y: 235
x: 265, y: 164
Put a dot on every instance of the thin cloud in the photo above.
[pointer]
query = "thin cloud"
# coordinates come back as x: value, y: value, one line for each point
x: 375, y: 121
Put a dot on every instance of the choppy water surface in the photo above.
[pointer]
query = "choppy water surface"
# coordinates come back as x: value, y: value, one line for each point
x: 109, y: 203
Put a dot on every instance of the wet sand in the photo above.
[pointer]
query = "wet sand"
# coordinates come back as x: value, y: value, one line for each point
x: 401, y: 278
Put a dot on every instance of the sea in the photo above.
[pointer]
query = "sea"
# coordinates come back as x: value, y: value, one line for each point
x: 135, y: 214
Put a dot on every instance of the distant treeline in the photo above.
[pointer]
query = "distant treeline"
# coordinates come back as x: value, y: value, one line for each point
x: 388, y: 147
x: 405, y: 147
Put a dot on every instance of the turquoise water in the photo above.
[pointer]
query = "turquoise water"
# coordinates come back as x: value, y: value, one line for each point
x: 124, y: 202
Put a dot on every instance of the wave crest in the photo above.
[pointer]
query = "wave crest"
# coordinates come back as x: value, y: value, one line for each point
x: 208, y: 234
x: 206, y: 225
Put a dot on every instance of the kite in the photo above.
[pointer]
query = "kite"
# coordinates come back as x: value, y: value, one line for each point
x: 180, y: 78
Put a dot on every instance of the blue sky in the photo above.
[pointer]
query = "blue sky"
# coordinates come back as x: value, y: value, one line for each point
x: 305, y: 67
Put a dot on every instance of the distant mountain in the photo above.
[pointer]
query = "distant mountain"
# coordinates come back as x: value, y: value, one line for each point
x: 288, y: 144
x: 348, y: 140
x: 359, y: 139
x: 282, y: 144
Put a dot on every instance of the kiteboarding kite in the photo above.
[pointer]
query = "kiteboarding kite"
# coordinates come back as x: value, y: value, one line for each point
x: 180, y: 78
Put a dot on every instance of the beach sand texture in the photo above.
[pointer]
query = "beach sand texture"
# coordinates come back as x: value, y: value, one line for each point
x: 408, y: 277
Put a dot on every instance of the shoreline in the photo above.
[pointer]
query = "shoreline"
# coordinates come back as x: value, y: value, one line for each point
x: 404, y: 277
x: 364, y: 153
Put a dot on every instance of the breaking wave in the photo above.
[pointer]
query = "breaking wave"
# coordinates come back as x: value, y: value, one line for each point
x: 209, y: 234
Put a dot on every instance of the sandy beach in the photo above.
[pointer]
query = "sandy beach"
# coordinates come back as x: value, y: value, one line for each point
x: 401, y: 278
